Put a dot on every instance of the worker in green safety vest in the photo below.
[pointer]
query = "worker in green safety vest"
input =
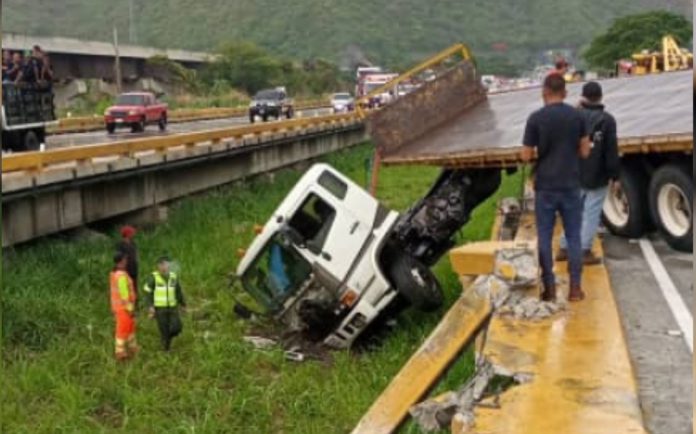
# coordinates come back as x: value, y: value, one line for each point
x: 165, y: 299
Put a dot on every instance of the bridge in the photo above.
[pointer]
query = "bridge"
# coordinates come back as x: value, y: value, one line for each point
x: 83, y: 59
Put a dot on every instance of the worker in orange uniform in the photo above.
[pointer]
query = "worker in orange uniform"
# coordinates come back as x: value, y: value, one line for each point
x: 123, y: 307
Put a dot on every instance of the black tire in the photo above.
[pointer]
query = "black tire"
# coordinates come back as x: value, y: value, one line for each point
x: 252, y: 118
x: 671, y: 205
x: 110, y: 128
x: 416, y: 283
x: 626, y: 211
x: 139, y: 126
x: 264, y: 117
x: 30, y: 142
x: 162, y: 123
x: 290, y: 113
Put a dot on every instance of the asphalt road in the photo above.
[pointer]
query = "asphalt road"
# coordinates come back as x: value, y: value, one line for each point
x: 653, y: 285
x: 99, y: 137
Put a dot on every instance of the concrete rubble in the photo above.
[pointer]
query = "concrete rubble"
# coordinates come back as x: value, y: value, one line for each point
x: 507, y: 288
x: 456, y: 409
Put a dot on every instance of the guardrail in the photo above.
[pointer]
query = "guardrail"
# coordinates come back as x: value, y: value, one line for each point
x: 36, y: 161
x: 96, y: 122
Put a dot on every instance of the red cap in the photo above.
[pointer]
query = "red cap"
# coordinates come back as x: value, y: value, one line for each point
x: 128, y: 231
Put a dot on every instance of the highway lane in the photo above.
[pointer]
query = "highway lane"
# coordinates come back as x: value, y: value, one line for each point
x: 653, y: 285
x: 99, y: 137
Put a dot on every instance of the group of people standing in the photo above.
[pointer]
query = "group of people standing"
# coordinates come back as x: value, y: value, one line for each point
x: 34, y: 68
x: 577, y: 162
x: 164, y: 297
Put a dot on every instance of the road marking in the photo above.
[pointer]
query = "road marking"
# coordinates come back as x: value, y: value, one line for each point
x: 669, y: 291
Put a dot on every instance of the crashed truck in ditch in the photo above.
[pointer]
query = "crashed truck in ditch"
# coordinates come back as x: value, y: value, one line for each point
x: 332, y: 259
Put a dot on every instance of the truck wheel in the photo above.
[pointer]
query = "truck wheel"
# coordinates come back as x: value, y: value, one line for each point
x: 626, y: 207
x: 162, y: 123
x: 252, y: 118
x: 671, y: 204
x: 265, y: 117
x: 110, y: 128
x: 290, y: 113
x: 139, y: 126
x: 416, y: 283
x: 31, y: 142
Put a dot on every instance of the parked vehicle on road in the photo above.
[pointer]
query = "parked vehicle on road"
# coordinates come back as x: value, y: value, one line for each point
x: 342, y: 102
x: 271, y: 103
x: 136, y: 110
x: 26, y: 112
x: 331, y: 258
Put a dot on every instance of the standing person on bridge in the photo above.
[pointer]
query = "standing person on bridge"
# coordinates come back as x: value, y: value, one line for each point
x: 164, y: 299
x: 598, y: 172
x: 559, y: 134
x: 123, y: 307
x: 128, y: 248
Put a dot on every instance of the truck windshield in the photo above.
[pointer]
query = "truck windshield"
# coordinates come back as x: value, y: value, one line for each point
x: 267, y: 94
x: 276, y: 274
x: 130, y: 100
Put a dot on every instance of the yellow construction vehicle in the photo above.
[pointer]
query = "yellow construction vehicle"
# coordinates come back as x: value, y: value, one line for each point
x: 672, y: 57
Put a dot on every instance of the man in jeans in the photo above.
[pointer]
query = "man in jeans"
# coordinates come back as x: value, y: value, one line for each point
x: 559, y: 135
x: 597, y: 172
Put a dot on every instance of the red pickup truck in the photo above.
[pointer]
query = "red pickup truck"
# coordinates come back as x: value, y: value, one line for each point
x: 136, y: 110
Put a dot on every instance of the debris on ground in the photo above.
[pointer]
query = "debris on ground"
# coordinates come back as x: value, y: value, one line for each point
x: 456, y: 408
x: 261, y: 343
x: 515, y: 272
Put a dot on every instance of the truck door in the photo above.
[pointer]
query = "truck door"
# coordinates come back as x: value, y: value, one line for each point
x: 334, y: 236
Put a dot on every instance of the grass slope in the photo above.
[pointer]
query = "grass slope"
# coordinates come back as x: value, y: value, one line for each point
x: 388, y: 31
x: 59, y: 374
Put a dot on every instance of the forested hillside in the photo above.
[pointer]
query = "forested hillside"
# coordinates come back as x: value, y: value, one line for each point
x: 503, y: 33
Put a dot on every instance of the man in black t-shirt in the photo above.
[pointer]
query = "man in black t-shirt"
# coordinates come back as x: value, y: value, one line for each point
x: 559, y: 135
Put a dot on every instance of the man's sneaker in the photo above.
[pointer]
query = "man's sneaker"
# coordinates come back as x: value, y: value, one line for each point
x: 562, y: 255
x: 589, y: 258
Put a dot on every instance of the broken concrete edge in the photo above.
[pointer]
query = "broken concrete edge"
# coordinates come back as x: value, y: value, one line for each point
x: 455, y: 409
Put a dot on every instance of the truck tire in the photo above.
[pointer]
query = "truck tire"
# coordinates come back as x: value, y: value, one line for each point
x: 139, y: 126
x: 416, y: 283
x: 252, y: 118
x: 162, y: 123
x: 264, y: 117
x: 290, y: 113
x: 626, y: 208
x: 29, y: 142
x: 671, y: 204
x: 110, y: 128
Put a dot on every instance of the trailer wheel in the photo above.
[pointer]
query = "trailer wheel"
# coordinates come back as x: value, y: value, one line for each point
x: 626, y: 206
x: 416, y: 283
x: 671, y: 205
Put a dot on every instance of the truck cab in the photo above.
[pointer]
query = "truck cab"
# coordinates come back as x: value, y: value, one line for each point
x: 136, y: 110
x: 318, y: 265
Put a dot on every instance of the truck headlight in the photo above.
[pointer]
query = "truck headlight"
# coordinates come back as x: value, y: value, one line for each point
x: 132, y: 112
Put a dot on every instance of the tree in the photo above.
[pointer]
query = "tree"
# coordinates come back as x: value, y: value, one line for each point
x: 243, y: 65
x: 634, y: 33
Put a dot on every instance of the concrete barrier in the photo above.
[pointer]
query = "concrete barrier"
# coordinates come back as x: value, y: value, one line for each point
x: 36, y: 204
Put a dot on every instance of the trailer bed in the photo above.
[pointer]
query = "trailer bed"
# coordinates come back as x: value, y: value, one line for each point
x: 654, y: 113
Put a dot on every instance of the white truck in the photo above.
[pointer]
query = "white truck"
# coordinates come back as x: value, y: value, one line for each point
x: 331, y: 258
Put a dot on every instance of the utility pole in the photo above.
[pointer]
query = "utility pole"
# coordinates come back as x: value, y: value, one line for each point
x: 117, y: 63
x: 132, y: 33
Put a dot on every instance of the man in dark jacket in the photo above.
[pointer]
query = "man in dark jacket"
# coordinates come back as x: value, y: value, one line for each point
x: 598, y: 172
x: 557, y: 133
x: 164, y: 298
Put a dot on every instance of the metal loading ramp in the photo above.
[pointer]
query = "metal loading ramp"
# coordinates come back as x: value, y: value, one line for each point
x: 651, y: 111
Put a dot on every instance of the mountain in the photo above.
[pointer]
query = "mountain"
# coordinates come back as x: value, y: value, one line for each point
x: 503, y: 33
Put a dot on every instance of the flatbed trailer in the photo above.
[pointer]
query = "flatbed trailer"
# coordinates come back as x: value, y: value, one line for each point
x: 654, y: 115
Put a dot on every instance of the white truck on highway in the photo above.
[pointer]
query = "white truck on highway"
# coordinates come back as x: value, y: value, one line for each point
x: 331, y: 258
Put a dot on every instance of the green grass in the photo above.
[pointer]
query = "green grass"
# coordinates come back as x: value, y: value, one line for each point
x: 59, y: 375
